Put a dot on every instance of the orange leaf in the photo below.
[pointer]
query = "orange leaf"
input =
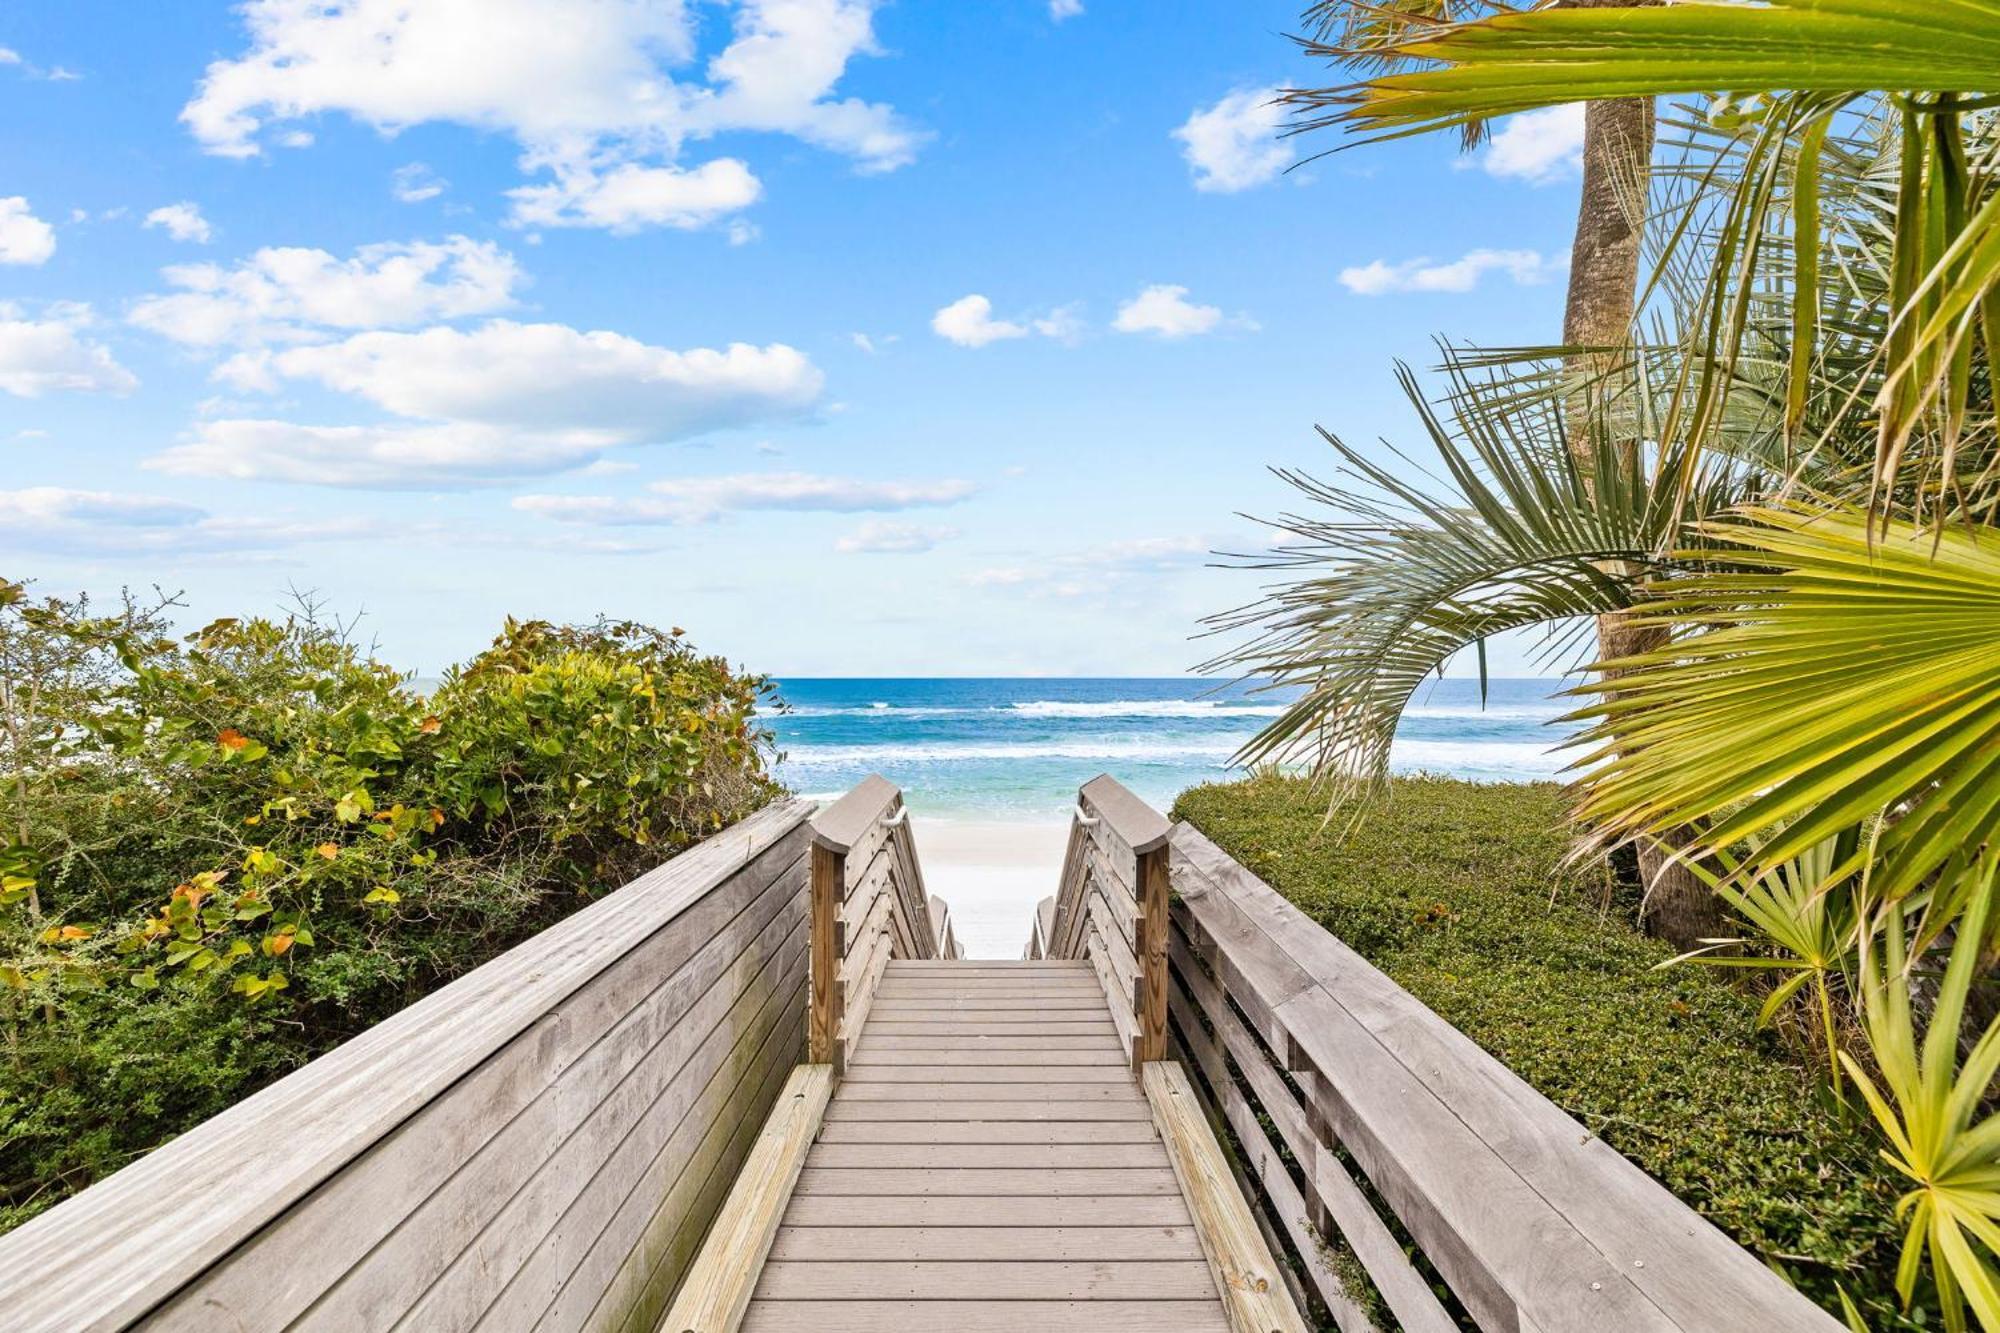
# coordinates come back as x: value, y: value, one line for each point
x: 430, y: 726
x: 437, y: 818
x: 232, y: 739
x: 328, y: 850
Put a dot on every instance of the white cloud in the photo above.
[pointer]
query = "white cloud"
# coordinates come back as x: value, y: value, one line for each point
x: 1064, y: 324
x: 398, y: 456
x: 414, y: 182
x: 702, y: 499
x: 183, y: 222
x: 24, y: 238
x: 54, y: 73
x: 52, y: 354
x: 886, y: 537
x: 1537, y: 146
x: 1064, y: 9
x: 629, y: 197
x: 969, y: 322
x: 1526, y: 267
x: 493, y: 404
x: 53, y: 518
x: 288, y: 294
x: 584, y: 86
x: 1098, y: 569
x: 1233, y: 145
x: 554, y: 377
x: 1164, y: 310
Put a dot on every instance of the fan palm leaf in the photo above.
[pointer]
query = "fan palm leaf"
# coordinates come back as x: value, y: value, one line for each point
x: 1843, y: 674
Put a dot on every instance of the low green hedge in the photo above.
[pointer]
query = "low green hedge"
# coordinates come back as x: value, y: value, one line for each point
x: 1457, y: 890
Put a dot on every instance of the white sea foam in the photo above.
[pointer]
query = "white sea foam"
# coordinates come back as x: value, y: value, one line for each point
x: 1060, y: 708
x: 957, y: 751
x: 1145, y: 708
x: 1516, y: 758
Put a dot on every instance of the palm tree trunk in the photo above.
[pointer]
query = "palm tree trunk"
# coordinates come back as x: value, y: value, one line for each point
x: 1603, y: 286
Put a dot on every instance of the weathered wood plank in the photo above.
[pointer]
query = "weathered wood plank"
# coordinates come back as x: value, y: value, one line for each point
x: 839, y: 826
x: 1253, y: 1293
x: 987, y: 1131
x: 1150, y: 985
x: 1282, y: 1206
x: 1038, y: 1156
x: 1535, y: 1219
x: 1403, y: 1289
x: 649, y: 1245
x: 951, y: 1029
x: 985, y: 1007
x: 1098, y: 1054
x: 823, y: 1022
x: 985, y: 1076
x: 1047, y: 1090
x: 446, y: 1262
x: 987, y: 1317
x: 1067, y: 1103
x: 985, y: 1242
x: 958, y: 1281
x: 1140, y: 827
x: 1100, y: 1038
x: 716, y: 1289
x: 625, y: 1240
x: 988, y: 1181
x: 122, y: 1246
x: 1025, y: 1210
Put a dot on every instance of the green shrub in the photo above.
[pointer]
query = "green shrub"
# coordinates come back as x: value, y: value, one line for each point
x: 1457, y: 890
x: 226, y: 854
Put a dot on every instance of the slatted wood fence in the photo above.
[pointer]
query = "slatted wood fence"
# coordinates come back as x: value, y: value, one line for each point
x: 1362, y: 1119
x: 539, y: 1145
x: 868, y: 905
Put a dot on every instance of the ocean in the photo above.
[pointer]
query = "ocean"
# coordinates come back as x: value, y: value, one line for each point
x: 1018, y: 748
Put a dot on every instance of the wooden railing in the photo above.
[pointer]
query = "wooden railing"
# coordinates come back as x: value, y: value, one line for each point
x: 868, y: 905
x: 540, y: 1144
x: 1361, y: 1119
x: 1112, y: 910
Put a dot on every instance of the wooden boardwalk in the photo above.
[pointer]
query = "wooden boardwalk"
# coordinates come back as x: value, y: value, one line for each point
x: 987, y: 1163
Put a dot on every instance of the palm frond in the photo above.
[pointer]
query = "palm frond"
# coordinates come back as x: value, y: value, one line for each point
x: 1392, y: 582
x: 1841, y: 675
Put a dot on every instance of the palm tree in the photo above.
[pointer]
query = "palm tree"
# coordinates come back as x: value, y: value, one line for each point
x: 1830, y: 655
x: 1377, y: 37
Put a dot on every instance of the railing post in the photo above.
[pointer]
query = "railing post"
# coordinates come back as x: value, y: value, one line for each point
x: 1150, y: 1041
x: 829, y: 877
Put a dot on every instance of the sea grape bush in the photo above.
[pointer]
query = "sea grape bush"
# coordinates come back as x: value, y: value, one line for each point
x: 224, y: 853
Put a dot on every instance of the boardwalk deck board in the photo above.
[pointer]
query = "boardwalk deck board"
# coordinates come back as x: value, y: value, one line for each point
x: 987, y: 1162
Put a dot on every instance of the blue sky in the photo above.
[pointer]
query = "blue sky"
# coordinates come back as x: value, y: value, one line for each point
x: 875, y: 339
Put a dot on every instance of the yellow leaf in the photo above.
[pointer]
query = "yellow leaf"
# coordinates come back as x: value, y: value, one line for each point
x: 328, y: 850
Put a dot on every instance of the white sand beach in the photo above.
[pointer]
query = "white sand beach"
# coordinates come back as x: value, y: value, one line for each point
x: 992, y: 874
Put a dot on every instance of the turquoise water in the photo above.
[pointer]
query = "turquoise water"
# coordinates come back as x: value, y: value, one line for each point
x: 1018, y: 748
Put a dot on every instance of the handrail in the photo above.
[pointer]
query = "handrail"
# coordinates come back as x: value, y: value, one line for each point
x: 543, y: 1140
x: 1112, y: 910
x: 868, y: 905
x: 1361, y: 1116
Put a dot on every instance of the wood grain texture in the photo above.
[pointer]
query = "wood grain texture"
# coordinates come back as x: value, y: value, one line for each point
x: 987, y: 1317
x: 1151, y: 982
x: 1253, y: 1294
x: 500, y: 1036
x: 843, y: 824
x: 716, y: 1289
x: 1531, y: 1219
x: 962, y: 1169
x: 829, y: 872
